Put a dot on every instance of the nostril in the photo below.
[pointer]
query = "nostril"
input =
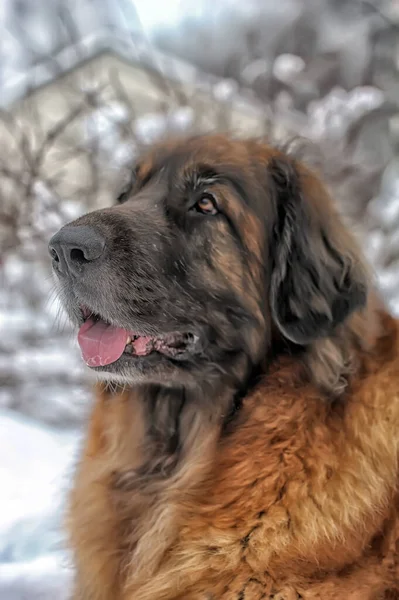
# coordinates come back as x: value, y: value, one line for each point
x: 73, y: 247
x: 77, y: 255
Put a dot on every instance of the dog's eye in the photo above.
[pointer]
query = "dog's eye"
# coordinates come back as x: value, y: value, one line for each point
x: 206, y: 204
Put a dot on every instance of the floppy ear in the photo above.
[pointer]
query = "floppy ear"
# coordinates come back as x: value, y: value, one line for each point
x: 318, y: 278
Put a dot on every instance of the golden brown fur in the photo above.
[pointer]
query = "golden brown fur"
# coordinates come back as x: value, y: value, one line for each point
x: 296, y: 497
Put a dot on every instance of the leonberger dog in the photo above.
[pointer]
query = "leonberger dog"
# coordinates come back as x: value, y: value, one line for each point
x: 244, y: 440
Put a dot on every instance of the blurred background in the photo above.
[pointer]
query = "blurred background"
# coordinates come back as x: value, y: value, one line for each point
x: 85, y: 85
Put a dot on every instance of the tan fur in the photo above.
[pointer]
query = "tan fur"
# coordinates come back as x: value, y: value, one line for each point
x: 297, y: 498
x: 300, y: 496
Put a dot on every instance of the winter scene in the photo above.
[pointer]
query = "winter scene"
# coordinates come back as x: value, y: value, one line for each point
x: 86, y: 85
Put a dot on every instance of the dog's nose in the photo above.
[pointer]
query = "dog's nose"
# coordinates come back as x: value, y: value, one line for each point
x: 74, y: 246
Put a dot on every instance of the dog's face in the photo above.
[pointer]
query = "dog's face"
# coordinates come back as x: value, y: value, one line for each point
x: 217, y: 251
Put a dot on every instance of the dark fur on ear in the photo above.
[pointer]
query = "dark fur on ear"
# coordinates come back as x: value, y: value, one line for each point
x: 318, y: 278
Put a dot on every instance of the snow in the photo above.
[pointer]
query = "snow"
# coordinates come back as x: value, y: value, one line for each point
x: 36, y: 464
x: 45, y: 578
x: 35, y: 470
x: 153, y: 126
x: 336, y: 112
x: 287, y: 65
x: 225, y: 90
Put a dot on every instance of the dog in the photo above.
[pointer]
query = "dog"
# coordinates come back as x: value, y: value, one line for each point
x: 244, y: 440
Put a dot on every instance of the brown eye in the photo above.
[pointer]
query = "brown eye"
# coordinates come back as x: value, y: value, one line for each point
x: 206, y: 205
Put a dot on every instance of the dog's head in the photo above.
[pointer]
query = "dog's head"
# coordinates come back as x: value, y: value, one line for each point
x: 218, y: 254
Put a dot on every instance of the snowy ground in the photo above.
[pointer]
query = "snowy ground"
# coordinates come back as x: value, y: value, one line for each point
x: 34, y: 473
x: 44, y: 578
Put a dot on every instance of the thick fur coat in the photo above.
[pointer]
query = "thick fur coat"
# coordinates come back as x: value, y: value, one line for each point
x: 264, y: 465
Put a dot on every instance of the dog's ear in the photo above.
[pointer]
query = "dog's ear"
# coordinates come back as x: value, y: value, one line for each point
x: 317, y: 278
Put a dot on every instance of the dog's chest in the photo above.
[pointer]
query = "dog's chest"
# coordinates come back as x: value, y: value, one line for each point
x: 259, y: 512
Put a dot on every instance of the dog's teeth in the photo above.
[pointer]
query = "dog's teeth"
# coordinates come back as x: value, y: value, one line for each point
x: 129, y: 339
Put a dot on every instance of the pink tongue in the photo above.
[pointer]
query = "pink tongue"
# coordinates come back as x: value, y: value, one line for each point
x: 101, y: 344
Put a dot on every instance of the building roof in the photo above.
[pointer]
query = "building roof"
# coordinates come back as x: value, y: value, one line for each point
x: 90, y: 29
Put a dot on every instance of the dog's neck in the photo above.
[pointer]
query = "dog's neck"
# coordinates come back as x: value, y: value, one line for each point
x: 172, y: 425
x: 175, y: 419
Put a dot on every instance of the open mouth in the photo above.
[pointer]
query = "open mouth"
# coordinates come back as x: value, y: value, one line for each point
x: 102, y: 344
